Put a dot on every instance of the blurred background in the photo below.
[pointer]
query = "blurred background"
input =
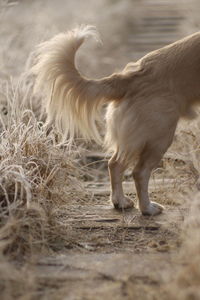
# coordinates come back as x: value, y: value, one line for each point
x: 128, y: 28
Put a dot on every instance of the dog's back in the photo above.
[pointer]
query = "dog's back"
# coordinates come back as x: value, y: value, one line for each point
x: 177, y: 68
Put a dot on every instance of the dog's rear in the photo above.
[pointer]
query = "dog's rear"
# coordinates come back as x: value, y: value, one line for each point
x: 145, y: 102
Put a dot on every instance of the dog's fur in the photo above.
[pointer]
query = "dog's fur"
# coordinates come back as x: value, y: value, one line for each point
x: 145, y: 102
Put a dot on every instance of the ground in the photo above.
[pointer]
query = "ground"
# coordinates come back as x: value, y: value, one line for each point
x: 112, y: 254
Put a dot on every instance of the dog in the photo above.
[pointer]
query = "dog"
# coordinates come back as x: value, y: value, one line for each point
x: 145, y: 102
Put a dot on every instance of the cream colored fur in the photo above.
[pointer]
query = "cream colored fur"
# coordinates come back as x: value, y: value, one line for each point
x: 145, y: 102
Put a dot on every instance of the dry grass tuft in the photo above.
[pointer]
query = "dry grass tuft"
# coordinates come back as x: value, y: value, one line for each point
x: 36, y: 177
x: 187, y: 277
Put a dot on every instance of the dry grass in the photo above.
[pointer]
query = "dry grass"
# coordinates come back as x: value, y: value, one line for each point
x: 185, y: 278
x: 188, y: 277
x: 37, y: 178
x: 33, y: 170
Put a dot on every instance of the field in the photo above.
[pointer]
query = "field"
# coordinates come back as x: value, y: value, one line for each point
x: 60, y: 237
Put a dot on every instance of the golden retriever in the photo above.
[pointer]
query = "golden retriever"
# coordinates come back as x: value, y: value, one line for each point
x: 145, y: 102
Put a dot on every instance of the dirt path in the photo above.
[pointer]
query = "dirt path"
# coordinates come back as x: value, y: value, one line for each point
x: 113, y: 254
x: 116, y: 255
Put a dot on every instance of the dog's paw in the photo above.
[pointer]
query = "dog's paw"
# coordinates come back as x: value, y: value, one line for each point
x: 152, y: 209
x: 124, y: 203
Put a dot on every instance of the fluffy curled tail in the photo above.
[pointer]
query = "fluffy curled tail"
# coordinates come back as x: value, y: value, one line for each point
x: 73, y: 101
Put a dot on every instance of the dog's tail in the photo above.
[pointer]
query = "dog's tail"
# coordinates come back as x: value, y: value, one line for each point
x: 73, y: 101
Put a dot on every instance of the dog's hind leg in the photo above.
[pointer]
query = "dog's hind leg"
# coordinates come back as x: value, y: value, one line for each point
x: 116, y: 170
x: 148, y: 160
